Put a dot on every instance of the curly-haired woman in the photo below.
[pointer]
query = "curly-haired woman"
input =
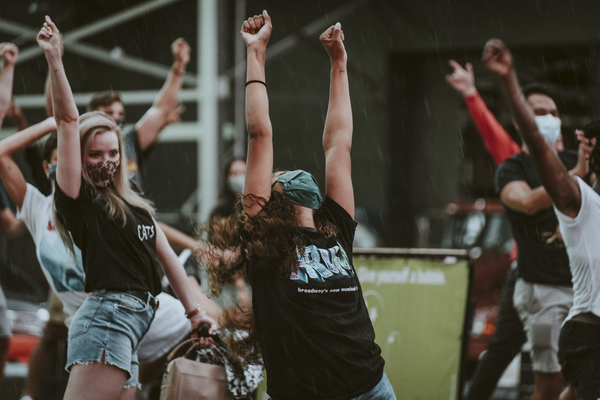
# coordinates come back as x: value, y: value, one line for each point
x: 310, y: 317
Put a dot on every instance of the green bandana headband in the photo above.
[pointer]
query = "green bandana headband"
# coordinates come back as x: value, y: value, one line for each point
x: 300, y: 187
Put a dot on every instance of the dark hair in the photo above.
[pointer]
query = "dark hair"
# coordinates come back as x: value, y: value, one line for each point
x: 537, y: 88
x: 103, y: 99
x: 592, y: 130
x: 271, y: 238
x: 49, y: 146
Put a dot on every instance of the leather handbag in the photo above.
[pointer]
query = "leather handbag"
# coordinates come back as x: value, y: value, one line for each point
x: 187, y: 379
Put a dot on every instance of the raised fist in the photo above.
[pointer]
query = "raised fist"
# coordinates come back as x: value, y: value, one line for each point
x: 9, y: 53
x: 49, y: 39
x: 462, y: 80
x: 256, y: 30
x: 497, y: 57
x: 181, y: 51
x: 333, y: 41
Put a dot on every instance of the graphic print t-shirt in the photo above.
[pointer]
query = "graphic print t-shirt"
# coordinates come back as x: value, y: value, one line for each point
x: 542, y: 256
x: 115, y: 257
x: 63, y: 271
x: 313, y: 326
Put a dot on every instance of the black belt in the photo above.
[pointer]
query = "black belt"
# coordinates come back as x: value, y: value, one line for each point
x: 145, y: 297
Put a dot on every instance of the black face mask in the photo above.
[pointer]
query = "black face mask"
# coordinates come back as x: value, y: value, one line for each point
x: 120, y: 123
x: 52, y: 172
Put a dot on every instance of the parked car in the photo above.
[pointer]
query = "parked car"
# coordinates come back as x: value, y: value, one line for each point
x: 481, y: 227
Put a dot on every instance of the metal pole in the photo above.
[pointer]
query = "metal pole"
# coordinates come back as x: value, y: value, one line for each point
x: 208, y: 99
x: 239, y: 148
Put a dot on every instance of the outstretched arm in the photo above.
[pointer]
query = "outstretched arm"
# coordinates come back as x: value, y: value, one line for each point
x: 10, y: 174
x: 256, y: 32
x: 178, y: 279
x: 497, y: 141
x: 160, y: 114
x: 9, y: 53
x: 337, y: 136
x: 68, y: 174
x: 560, y: 185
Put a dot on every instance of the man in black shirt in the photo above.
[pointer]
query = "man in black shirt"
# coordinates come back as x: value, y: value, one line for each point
x: 543, y: 293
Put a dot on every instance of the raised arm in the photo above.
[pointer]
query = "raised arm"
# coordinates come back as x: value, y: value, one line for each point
x: 560, y: 185
x: 10, y: 174
x: 9, y: 53
x: 160, y: 114
x: 497, y: 141
x: 256, y: 32
x: 337, y: 136
x: 68, y: 173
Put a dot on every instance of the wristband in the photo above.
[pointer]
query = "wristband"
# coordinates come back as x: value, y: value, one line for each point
x: 193, y: 312
x: 255, y: 81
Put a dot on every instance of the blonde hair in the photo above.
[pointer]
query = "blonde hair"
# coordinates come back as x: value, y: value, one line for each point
x: 118, y: 195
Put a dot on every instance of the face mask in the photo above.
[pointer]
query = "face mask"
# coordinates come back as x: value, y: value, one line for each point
x: 300, y: 187
x: 236, y: 184
x: 549, y: 127
x: 103, y: 173
x: 52, y: 172
x: 120, y: 123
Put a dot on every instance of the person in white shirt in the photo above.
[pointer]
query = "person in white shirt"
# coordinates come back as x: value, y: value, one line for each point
x: 577, y: 207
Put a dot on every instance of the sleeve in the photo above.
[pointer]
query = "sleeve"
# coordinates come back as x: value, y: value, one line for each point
x: 70, y: 211
x: 31, y: 207
x: 572, y: 228
x: 497, y: 141
x: 509, y: 171
x: 341, y: 219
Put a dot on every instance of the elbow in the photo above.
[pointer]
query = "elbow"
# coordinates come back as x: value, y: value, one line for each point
x: 259, y: 131
x: 531, y: 208
x: 66, y: 119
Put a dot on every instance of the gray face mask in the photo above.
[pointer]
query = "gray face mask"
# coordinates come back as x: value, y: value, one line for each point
x: 236, y: 184
x: 52, y: 172
x: 300, y: 187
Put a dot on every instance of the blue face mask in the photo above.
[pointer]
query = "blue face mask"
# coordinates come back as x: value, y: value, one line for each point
x: 52, y: 172
x: 300, y: 187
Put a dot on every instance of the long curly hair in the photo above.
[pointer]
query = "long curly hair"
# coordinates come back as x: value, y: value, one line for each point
x: 271, y: 239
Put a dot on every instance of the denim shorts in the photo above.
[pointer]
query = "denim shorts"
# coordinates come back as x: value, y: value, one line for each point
x: 113, y: 324
x: 383, y: 391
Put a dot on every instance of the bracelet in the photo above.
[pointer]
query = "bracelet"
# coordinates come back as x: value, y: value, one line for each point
x: 255, y: 81
x: 193, y: 312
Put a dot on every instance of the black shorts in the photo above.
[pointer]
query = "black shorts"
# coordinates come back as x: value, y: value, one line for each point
x: 579, y: 356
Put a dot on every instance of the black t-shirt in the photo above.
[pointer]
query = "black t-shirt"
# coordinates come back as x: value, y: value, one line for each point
x: 313, y: 327
x: 542, y: 257
x: 114, y: 257
x: 133, y: 153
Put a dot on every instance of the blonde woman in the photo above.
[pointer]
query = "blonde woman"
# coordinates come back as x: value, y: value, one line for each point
x: 121, y: 244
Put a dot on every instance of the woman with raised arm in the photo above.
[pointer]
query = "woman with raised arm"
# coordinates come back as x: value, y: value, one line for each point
x: 310, y: 316
x: 121, y: 244
x: 577, y: 208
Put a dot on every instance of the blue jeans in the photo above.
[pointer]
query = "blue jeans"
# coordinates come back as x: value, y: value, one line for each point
x: 109, y: 324
x: 383, y: 391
